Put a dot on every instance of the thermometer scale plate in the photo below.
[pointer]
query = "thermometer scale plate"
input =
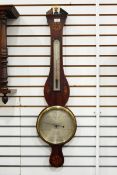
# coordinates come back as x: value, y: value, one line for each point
x: 56, y: 73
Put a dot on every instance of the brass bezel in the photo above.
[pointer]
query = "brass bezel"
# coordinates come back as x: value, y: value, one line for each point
x: 51, y: 108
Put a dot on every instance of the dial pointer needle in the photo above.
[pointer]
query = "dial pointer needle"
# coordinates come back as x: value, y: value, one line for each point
x: 56, y: 125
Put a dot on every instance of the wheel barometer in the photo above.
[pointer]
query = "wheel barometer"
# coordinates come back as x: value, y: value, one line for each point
x: 56, y: 124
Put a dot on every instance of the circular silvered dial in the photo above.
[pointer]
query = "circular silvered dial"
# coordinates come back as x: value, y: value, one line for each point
x: 56, y: 125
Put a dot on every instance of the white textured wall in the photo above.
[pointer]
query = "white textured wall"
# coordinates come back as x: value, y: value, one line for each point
x: 21, y: 150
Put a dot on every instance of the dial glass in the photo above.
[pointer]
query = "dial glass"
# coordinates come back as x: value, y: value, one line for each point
x: 56, y: 125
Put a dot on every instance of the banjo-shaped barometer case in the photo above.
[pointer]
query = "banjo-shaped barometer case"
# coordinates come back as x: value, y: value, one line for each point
x: 56, y: 124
